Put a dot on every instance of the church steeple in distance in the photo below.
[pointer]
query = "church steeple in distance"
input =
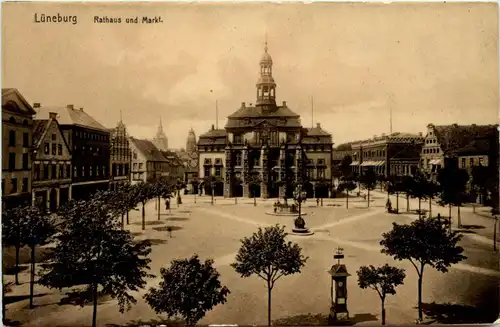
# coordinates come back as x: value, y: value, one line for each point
x: 266, y: 87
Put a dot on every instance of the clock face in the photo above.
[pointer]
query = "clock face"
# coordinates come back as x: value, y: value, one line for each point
x: 341, y: 284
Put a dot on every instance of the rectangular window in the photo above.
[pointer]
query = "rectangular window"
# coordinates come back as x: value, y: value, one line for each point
x: 83, y: 171
x: 75, y: 171
x: 471, y: 162
x: 463, y: 163
x: 90, y: 171
x: 45, y: 171
x: 61, y: 170
x: 59, y: 149
x: 25, y: 185
x: 238, y: 159
x: 97, y: 170
x: 46, y: 149
x: 217, y: 171
x: 37, y: 172
x: 26, y: 140
x: 135, y: 165
x: 237, y: 139
x: 54, y: 149
x: 25, y: 161
x: 14, y: 185
x: 54, y: 137
x: 12, y: 161
x: 12, y: 138
x: 480, y: 161
x: 140, y: 166
x: 3, y: 185
x: 207, y: 171
x: 321, y: 173
x: 68, y: 171
x: 53, y: 171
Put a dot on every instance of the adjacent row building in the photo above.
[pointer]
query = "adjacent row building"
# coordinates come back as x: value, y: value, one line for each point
x: 52, y: 154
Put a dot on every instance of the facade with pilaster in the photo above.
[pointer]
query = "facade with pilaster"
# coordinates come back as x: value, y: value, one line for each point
x: 89, y: 143
x: 264, y: 149
x: 51, y: 165
x: 17, y: 130
x: 397, y: 154
x: 120, y: 157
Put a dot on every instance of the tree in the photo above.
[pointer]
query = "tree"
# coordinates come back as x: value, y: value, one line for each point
x: 383, y: 279
x: 267, y: 255
x: 38, y: 229
x: 253, y: 184
x: 345, y: 165
x: 418, y: 188
x: 188, y: 288
x: 407, y: 185
x: 131, y: 197
x: 92, y: 250
x: 480, y: 177
x: 369, y: 181
x: 347, y: 185
x: 322, y: 185
x: 161, y: 189
x: 453, y: 182
x: 424, y: 242
x: 195, y: 185
x: 12, y: 233
x: 432, y: 189
x: 143, y: 195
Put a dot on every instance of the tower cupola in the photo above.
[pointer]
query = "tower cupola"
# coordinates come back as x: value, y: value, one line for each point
x: 266, y: 87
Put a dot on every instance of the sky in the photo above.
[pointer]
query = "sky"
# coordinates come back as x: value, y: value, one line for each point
x: 427, y: 62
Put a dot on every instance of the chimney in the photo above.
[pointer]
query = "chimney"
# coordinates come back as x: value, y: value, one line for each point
x: 36, y: 105
x: 383, y: 134
x: 420, y: 134
x: 213, y: 127
x: 318, y: 125
x: 243, y: 104
x: 70, y: 106
x: 53, y: 115
x: 284, y: 103
x: 81, y: 109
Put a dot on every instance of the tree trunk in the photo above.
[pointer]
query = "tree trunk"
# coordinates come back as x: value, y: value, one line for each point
x: 495, y: 234
x: 123, y: 221
x: 143, y: 217
x: 397, y: 202
x: 269, y: 289
x: 94, y: 312
x: 419, y: 206
x: 459, y: 221
x: 18, y: 249
x: 368, y: 197
x: 128, y: 222
x: 383, y: 311
x: 194, y: 197
x: 4, y: 285
x: 32, y: 275
x: 420, y: 280
x: 159, y: 207
x: 347, y: 200
x: 212, y: 196
x: 407, y: 203
x: 321, y: 201
x: 430, y: 207
x: 254, y: 200
x: 449, y: 216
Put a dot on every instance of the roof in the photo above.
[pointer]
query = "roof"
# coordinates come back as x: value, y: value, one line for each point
x: 255, y: 112
x: 147, y: 148
x: 69, y: 116
x: 344, y: 147
x: 316, y: 131
x: 39, y: 127
x: 453, y: 138
x: 13, y: 100
x: 476, y: 147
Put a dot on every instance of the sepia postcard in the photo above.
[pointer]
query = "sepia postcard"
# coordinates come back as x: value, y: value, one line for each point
x: 242, y: 164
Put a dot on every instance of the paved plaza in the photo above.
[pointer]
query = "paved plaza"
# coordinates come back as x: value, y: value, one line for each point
x: 214, y: 231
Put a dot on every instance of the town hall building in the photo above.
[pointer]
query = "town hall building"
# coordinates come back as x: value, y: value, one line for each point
x: 264, y: 150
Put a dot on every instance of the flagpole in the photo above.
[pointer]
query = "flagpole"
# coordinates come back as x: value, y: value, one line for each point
x: 312, y: 112
x: 216, y: 115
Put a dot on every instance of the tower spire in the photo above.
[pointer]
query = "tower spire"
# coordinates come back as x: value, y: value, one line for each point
x: 121, y: 118
x: 265, y: 43
x: 312, y: 111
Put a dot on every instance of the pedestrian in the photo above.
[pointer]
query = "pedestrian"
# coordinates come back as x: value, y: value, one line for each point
x: 317, y: 202
x: 167, y: 204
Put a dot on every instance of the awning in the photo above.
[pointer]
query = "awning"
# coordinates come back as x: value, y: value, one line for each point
x: 367, y: 163
x: 435, y: 162
x: 354, y: 163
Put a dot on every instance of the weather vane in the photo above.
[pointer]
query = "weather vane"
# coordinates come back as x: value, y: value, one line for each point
x: 339, y: 254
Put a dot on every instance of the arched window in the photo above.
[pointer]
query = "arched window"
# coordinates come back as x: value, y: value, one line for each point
x: 25, y: 122
x: 12, y: 120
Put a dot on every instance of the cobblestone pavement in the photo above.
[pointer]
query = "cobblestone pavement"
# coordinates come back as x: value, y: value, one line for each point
x: 214, y: 231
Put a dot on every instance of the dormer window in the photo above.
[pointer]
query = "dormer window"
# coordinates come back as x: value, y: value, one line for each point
x: 218, y: 161
x: 208, y: 161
